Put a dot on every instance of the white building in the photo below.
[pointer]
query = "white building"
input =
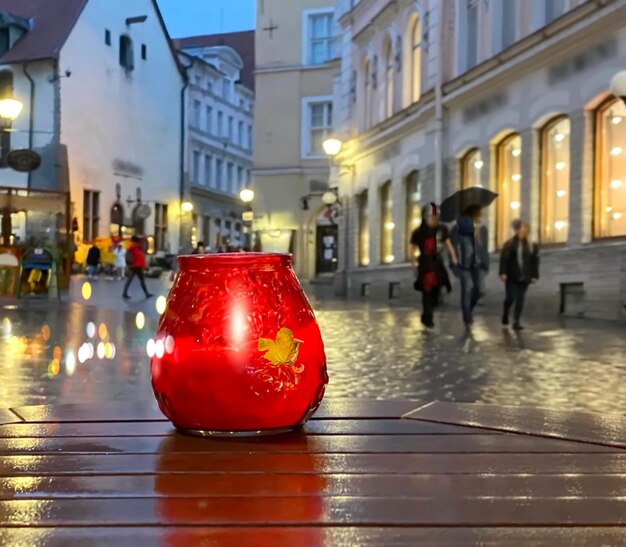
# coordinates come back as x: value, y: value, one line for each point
x: 101, y: 89
x: 507, y: 94
x: 219, y: 106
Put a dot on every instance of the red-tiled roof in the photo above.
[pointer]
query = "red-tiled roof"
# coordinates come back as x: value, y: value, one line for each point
x: 241, y: 42
x: 52, y: 22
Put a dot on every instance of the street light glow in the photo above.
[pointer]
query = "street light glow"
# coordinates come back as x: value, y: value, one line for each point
x: 186, y: 206
x: 10, y: 109
x: 329, y: 198
x: 246, y: 195
x: 332, y: 146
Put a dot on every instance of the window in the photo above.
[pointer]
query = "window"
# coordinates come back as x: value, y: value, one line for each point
x: 610, y: 175
x: 320, y: 38
x: 107, y: 37
x: 231, y: 133
x: 208, y: 122
x: 367, y: 94
x: 364, y: 230
x: 91, y: 215
x: 386, y: 224
x: 219, y: 174
x: 230, y: 178
x: 509, y: 181
x: 240, y: 181
x: 160, y: 226
x: 555, y: 164
x: 249, y: 137
x: 6, y: 92
x: 416, y: 61
x: 209, y: 86
x: 196, y: 167
x: 554, y: 9
x: 240, y: 134
x: 195, y: 114
x: 225, y: 89
x: 389, y: 72
x: 319, y: 125
x: 208, y: 170
x: 220, y: 123
x: 413, y: 209
x: 197, y: 80
x: 127, y: 59
x: 509, y: 22
x: 471, y: 168
x: 144, y: 51
x: 471, y: 44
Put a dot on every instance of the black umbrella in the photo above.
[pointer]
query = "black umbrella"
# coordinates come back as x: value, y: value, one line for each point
x: 453, y: 206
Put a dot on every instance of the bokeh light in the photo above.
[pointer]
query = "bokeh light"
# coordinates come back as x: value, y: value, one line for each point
x: 108, y: 350
x: 103, y: 331
x: 150, y: 348
x: 7, y: 327
x: 169, y: 344
x: 140, y: 320
x: 91, y: 330
x: 86, y: 290
x: 159, y: 349
x: 83, y: 353
x: 161, y: 304
x: 70, y: 363
x: 100, y: 350
x: 45, y: 332
x: 53, y: 368
x: 57, y: 353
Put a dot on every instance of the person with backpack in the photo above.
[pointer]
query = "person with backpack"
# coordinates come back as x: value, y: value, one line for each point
x: 470, y: 238
x: 136, y: 262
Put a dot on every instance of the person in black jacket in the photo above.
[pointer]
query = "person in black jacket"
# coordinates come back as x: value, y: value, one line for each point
x: 519, y: 267
x: 93, y: 262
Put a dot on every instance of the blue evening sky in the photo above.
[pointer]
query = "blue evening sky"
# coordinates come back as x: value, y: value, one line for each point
x: 195, y: 17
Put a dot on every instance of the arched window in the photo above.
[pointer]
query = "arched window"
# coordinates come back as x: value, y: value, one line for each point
x: 555, y: 164
x: 610, y: 176
x: 386, y: 224
x: 509, y: 182
x: 416, y: 61
x: 389, y: 72
x: 471, y: 168
x: 413, y: 209
x: 364, y: 229
x: 367, y: 94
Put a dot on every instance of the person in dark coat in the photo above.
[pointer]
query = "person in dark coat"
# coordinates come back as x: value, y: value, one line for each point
x: 519, y: 267
x: 469, y: 239
x: 429, y: 266
x: 136, y: 261
x: 93, y: 262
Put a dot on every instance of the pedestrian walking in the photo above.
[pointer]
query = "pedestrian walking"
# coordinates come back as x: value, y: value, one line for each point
x: 136, y: 261
x: 519, y: 267
x: 430, y: 269
x: 120, y: 261
x: 469, y: 238
x: 199, y: 250
x: 93, y: 262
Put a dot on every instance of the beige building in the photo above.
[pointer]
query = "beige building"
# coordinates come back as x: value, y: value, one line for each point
x: 508, y: 94
x: 295, y: 48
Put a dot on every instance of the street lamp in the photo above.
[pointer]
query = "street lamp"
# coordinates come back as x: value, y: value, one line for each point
x: 329, y: 198
x: 332, y: 146
x: 247, y: 195
x: 186, y: 206
x: 10, y: 109
x: 618, y: 85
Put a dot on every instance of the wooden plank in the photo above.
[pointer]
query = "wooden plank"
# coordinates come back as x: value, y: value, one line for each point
x: 161, y: 429
x: 132, y: 464
x: 328, y: 444
x: 313, y: 510
x: 309, y: 536
x: 238, y: 484
x: 605, y: 430
x: 148, y: 411
x: 8, y: 417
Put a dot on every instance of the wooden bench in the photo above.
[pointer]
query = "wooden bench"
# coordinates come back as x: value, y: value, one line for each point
x: 360, y: 473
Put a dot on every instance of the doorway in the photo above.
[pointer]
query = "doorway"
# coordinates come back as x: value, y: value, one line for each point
x: 326, y: 249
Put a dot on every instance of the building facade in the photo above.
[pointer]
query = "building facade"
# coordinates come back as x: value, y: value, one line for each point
x: 219, y: 107
x: 505, y: 94
x: 101, y: 86
x: 296, y: 49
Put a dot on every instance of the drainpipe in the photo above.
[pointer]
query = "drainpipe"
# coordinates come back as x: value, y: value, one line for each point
x: 183, y: 123
x: 31, y: 115
x: 439, y: 108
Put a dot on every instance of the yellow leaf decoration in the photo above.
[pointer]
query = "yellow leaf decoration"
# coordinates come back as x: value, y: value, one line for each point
x: 283, y: 350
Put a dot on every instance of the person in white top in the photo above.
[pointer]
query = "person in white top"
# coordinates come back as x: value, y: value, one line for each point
x: 120, y: 261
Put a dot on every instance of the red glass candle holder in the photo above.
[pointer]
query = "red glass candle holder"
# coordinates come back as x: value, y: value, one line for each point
x: 238, y: 349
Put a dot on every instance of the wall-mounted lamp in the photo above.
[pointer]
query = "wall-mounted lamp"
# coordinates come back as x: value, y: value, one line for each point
x: 618, y: 85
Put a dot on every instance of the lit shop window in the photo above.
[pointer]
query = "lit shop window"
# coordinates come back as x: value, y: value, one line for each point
x: 610, y: 176
x: 416, y: 60
x: 555, y: 164
x: 509, y: 155
x: 387, y: 225
x: 364, y: 230
x: 413, y: 209
x: 471, y: 168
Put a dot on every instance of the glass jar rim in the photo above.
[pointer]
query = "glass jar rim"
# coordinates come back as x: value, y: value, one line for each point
x: 201, y: 262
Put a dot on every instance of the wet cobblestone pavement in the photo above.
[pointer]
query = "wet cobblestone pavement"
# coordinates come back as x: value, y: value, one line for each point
x: 373, y: 350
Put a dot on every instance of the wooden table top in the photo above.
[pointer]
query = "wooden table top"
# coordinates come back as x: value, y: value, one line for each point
x: 360, y: 473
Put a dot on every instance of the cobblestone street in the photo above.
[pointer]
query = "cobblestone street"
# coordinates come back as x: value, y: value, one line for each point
x: 373, y: 350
